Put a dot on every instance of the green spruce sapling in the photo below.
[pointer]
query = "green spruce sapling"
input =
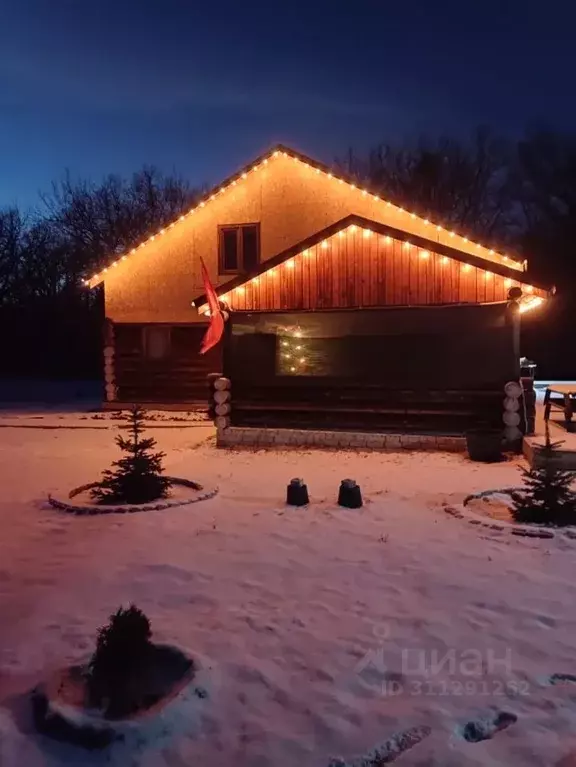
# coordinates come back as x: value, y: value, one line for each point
x: 122, y: 649
x: 547, y: 498
x: 137, y: 477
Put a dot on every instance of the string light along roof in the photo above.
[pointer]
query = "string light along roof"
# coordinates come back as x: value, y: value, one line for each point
x: 360, y: 226
x: 280, y: 150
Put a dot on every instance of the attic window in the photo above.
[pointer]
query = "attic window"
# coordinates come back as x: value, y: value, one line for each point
x: 239, y: 248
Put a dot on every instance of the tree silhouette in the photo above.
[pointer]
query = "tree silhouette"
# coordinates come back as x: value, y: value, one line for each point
x: 464, y: 185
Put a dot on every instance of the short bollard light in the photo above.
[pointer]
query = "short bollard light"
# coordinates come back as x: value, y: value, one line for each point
x: 297, y: 493
x: 349, y: 495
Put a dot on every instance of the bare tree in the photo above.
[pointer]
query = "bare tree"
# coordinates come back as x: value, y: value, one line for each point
x: 44, y: 270
x: 546, y: 174
x: 98, y: 221
x: 12, y: 227
x: 466, y: 185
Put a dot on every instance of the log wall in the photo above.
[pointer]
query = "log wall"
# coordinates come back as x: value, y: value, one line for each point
x: 179, y: 378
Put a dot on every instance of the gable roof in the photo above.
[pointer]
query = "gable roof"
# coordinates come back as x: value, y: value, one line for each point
x: 484, y: 253
x: 382, y: 229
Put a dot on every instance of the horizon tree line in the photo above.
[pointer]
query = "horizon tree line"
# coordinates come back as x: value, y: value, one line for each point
x: 519, y: 195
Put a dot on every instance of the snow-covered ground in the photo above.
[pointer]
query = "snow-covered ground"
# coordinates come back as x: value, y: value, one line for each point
x: 328, y: 630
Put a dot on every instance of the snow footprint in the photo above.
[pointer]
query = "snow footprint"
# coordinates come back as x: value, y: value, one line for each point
x: 484, y: 729
x: 564, y: 679
x: 389, y: 751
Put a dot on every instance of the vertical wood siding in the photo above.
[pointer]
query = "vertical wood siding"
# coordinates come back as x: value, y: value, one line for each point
x: 357, y: 268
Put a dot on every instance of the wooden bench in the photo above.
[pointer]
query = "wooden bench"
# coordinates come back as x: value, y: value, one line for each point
x: 563, y: 397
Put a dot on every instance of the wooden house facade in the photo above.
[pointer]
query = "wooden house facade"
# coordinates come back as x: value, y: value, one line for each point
x: 343, y: 308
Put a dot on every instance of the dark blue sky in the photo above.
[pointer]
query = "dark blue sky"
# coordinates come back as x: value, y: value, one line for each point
x: 201, y: 87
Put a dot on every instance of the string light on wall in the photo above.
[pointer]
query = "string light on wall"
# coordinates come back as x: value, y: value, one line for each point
x: 422, y: 253
x: 532, y: 303
x: 219, y: 192
x: 292, y: 357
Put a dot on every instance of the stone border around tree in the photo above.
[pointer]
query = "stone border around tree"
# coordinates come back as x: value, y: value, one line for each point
x: 461, y: 511
x: 164, y: 503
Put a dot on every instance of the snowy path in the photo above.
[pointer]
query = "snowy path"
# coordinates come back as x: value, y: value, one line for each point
x: 309, y: 616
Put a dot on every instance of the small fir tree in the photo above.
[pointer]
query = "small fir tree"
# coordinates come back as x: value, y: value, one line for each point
x: 121, y: 651
x: 548, y: 499
x: 137, y: 477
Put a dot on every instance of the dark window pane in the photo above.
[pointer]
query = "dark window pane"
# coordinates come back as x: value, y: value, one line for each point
x: 229, y: 250
x: 250, y: 248
x: 157, y: 342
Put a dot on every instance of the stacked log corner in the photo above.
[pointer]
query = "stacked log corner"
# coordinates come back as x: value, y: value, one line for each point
x: 110, y: 387
x: 220, y: 400
x: 512, y: 416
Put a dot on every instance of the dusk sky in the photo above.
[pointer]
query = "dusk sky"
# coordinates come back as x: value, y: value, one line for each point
x: 201, y: 88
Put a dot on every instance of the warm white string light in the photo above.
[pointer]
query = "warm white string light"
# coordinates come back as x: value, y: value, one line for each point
x: 423, y: 254
x: 292, y: 348
x: 532, y: 303
x: 516, y: 265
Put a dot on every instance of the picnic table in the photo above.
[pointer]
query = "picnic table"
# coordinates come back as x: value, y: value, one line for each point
x: 562, y: 396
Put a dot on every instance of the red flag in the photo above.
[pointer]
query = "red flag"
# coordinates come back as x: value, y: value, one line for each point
x: 216, y: 327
